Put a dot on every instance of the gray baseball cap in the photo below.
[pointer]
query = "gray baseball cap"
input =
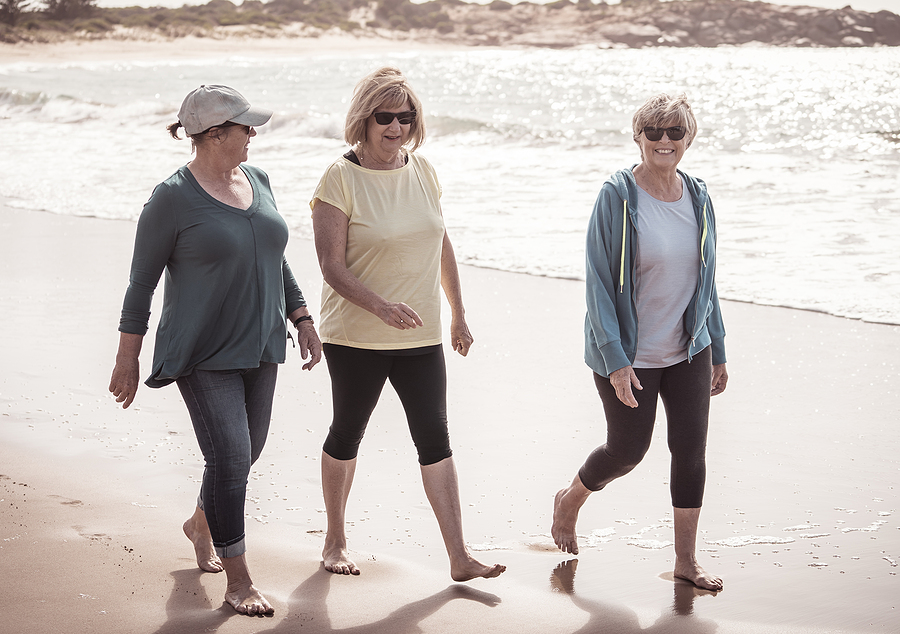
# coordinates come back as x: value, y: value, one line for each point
x: 213, y: 105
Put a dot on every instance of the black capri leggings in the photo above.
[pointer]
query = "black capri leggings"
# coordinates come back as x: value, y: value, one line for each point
x: 357, y: 378
x: 684, y: 389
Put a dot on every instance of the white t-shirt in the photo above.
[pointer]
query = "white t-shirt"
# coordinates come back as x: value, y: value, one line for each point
x: 394, y: 244
x: 667, y: 268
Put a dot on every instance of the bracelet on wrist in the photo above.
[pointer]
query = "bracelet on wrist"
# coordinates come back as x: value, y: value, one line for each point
x: 301, y: 319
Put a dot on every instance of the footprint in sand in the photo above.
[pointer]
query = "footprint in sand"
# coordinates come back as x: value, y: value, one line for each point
x: 68, y: 501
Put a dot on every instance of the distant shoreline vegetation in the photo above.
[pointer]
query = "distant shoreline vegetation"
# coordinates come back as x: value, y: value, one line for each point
x: 560, y: 24
x: 82, y: 16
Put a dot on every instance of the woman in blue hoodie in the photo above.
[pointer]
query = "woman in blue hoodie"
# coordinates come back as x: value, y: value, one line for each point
x: 653, y: 327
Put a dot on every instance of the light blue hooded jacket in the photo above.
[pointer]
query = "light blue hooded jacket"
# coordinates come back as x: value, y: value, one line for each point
x: 611, y: 324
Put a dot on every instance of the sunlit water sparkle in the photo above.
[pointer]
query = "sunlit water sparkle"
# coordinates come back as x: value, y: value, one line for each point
x: 800, y: 149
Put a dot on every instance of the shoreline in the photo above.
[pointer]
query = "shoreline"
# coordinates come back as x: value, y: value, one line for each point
x: 95, y: 495
x: 173, y: 49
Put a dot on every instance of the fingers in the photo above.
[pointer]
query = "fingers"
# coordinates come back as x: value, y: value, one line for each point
x: 315, y: 357
x: 623, y: 380
x: 636, y: 382
x: 626, y: 395
x: 402, y: 317
x: 310, y: 345
x: 123, y: 395
x: 462, y: 340
x: 719, y: 380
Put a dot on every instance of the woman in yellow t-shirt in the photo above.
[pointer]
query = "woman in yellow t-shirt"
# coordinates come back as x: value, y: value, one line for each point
x: 385, y: 254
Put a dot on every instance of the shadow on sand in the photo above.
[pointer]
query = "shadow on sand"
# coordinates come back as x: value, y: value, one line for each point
x: 190, y: 609
x: 608, y: 618
x: 309, y: 609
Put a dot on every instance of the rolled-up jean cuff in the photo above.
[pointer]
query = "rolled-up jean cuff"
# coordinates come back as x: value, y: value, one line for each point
x: 200, y: 502
x: 236, y: 549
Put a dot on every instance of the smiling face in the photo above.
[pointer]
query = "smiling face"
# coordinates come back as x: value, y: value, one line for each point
x: 663, y: 154
x: 386, y: 140
x: 663, y: 111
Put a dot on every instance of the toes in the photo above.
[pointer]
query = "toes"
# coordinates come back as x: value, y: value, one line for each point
x: 211, y: 566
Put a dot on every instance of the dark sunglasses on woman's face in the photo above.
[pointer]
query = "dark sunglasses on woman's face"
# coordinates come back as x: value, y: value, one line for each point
x: 675, y: 133
x: 229, y: 124
x: 386, y: 118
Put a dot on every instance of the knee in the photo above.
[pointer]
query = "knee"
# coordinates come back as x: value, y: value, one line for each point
x: 625, y: 461
x: 621, y: 468
x: 435, y: 455
x: 341, y: 447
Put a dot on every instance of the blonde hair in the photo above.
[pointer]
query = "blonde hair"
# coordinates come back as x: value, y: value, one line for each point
x: 664, y: 111
x: 385, y: 87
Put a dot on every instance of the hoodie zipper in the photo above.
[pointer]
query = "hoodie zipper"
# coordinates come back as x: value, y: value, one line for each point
x: 703, y: 234
x: 622, y: 259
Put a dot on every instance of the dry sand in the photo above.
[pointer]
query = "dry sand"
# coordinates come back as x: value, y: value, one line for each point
x: 803, y: 466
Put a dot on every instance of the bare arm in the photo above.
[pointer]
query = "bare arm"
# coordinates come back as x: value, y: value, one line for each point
x: 460, y: 337
x: 126, y: 373
x: 330, y: 225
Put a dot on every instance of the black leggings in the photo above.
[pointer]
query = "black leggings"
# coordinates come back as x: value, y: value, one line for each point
x: 357, y: 378
x: 684, y: 389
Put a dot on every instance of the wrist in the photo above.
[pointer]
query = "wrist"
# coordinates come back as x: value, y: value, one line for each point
x: 303, y: 318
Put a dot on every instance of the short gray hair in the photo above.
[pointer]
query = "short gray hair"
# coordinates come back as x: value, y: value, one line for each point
x: 664, y: 111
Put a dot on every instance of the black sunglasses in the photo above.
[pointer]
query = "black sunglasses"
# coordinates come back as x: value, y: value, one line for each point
x: 675, y: 133
x: 228, y: 124
x: 386, y: 118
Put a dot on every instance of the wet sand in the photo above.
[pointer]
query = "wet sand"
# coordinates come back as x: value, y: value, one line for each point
x: 800, y: 515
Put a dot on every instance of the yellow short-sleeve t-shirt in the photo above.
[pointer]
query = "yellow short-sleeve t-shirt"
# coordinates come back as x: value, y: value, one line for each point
x: 394, y: 243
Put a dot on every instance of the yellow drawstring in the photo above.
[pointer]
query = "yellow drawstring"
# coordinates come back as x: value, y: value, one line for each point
x: 622, y: 262
x: 703, y: 236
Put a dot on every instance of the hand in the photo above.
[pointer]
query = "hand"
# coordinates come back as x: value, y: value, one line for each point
x: 124, y: 381
x: 310, y: 345
x: 719, y: 379
x: 400, y: 316
x: 622, y: 380
x: 460, y: 337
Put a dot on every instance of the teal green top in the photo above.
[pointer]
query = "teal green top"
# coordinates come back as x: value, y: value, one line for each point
x: 228, y: 285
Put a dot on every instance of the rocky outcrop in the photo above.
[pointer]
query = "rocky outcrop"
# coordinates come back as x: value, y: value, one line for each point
x: 560, y: 24
x: 642, y: 23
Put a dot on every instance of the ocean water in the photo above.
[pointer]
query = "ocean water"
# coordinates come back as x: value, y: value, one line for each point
x: 800, y: 149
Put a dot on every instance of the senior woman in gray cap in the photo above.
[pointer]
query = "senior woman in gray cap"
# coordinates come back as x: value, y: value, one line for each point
x: 214, y: 229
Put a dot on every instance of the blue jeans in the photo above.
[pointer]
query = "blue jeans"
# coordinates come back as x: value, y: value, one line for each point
x: 230, y: 411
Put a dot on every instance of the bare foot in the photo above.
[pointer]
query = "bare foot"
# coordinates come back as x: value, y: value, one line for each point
x: 694, y: 573
x: 338, y: 561
x: 246, y: 599
x: 197, y: 530
x: 471, y: 568
x: 564, y: 518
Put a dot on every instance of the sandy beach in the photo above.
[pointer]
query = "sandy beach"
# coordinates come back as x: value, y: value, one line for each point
x: 800, y: 516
